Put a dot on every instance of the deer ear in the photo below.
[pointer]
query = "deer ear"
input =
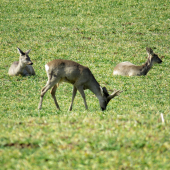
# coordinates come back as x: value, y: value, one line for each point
x: 27, y: 52
x: 105, y: 92
x: 114, y: 94
x: 149, y: 50
x: 20, y: 51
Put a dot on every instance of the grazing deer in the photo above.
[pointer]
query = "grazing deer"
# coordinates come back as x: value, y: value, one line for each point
x: 128, y: 69
x: 23, y: 66
x: 79, y: 76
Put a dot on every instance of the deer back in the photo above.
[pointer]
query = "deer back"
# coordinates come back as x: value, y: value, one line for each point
x: 69, y: 71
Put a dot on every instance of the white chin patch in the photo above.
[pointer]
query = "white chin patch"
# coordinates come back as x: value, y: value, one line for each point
x: 46, y: 67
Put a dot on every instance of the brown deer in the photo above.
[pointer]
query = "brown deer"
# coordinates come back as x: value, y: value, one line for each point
x: 128, y: 69
x: 79, y: 76
x: 23, y: 66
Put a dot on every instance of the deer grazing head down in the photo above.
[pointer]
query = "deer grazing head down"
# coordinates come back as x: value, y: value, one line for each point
x: 80, y: 77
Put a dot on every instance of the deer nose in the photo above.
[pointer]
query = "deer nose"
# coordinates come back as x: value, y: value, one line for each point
x: 103, y: 108
x: 31, y: 63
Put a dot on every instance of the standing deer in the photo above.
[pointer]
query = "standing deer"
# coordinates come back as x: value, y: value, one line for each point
x: 23, y: 66
x: 128, y: 69
x: 80, y: 77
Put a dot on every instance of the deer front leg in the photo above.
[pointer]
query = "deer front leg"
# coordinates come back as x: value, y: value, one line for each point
x: 73, y: 96
x: 80, y: 89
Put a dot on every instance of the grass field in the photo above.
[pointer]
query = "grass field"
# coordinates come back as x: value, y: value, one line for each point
x: 99, y: 34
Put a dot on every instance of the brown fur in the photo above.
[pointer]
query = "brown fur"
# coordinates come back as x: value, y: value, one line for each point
x: 128, y: 69
x: 79, y: 76
x: 23, y: 66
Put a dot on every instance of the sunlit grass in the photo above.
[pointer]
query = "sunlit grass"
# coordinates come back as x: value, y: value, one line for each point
x: 130, y: 134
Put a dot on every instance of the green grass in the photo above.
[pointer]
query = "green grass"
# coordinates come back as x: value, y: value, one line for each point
x: 97, y: 34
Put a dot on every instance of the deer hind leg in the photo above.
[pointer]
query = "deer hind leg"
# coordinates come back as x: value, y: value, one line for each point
x: 80, y: 89
x: 73, y: 96
x: 43, y: 91
x: 53, y: 95
x: 49, y: 84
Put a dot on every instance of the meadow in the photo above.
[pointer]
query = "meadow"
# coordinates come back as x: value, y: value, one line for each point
x: 130, y: 134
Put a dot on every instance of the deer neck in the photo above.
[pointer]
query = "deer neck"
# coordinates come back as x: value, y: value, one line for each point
x: 20, y: 68
x: 95, y: 88
x: 146, y: 67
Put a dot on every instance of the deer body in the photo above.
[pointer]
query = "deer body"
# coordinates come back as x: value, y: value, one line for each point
x: 128, y: 69
x: 79, y: 76
x: 23, y: 66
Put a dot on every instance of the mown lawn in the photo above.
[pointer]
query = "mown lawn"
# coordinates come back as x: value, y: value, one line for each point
x: 130, y: 134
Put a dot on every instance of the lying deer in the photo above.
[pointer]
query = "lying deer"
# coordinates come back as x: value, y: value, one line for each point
x: 128, y: 69
x: 80, y: 77
x: 23, y: 66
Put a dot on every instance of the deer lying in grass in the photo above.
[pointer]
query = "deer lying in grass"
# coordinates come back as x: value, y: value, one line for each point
x: 23, y: 66
x: 128, y: 69
x: 79, y: 76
